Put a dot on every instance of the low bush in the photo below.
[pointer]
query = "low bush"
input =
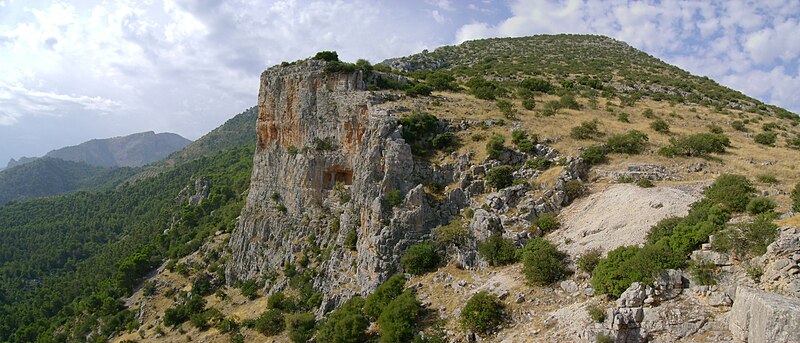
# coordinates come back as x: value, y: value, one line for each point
x: 351, y: 240
x: 524, y: 142
x: 568, y: 101
x: 573, y: 189
x: 543, y: 264
x: 445, y: 141
x: 660, y: 126
x: 250, y: 288
x: 179, y: 313
x: 793, y: 143
x: 624, y: 117
x: 766, y: 178
x: 280, y: 301
x: 300, y: 326
x: 738, y: 125
x: 452, y: 234
x: 482, y: 313
x: 732, y: 191
x: 662, y: 229
x: 270, y: 323
x: 648, y: 113
x: 715, y: 129
x: 697, y: 145
x: 589, y: 260
x: 346, y: 324
x: 597, y: 313
x: 419, y: 89
x: 383, y: 295
x: 747, y: 239
x: 703, y: 274
x: 494, y: 146
x: 484, y: 89
x: 538, y: 163
x: 645, y: 183
x: 546, y: 222
x: 500, y: 177
x: 497, y: 250
x: 536, y: 85
x: 631, y: 143
x: 594, y: 155
x: 585, y: 130
x: 397, y: 322
x: 507, y: 109
x: 765, y: 138
x: 760, y: 205
x: 393, y: 198
x: 420, y: 258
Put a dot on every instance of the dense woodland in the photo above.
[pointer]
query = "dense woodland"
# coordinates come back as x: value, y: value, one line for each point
x: 66, y: 261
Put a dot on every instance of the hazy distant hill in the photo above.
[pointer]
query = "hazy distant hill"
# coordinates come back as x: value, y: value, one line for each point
x: 49, y: 176
x: 237, y: 131
x: 127, y: 151
x: 22, y: 160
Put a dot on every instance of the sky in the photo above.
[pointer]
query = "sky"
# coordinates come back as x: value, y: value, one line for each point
x: 71, y: 71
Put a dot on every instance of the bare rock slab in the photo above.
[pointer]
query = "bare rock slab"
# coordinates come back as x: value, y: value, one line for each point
x: 759, y: 316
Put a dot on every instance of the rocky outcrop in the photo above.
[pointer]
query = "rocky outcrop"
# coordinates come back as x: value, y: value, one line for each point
x: 781, y: 263
x: 325, y: 161
x: 759, y: 316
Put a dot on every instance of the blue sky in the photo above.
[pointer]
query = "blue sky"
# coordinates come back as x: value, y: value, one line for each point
x: 71, y: 71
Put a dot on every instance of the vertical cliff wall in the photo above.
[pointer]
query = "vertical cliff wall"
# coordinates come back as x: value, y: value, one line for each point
x: 324, y: 161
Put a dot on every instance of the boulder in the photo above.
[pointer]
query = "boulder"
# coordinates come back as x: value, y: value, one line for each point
x: 759, y: 316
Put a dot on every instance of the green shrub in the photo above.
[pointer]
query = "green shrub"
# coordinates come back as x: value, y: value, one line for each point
x: 500, y: 177
x: 300, y: 326
x: 537, y: 85
x: 351, y: 240
x: 347, y: 324
x: 760, y: 205
x: 334, y: 67
x: 796, y: 198
x: 738, y: 125
x: 715, y: 129
x: 445, y: 141
x: 644, y: 183
x: 538, y: 163
x: 594, y: 155
x: 494, y: 147
x: 624, y: 117
x: 765, y: 138
x: 703, y: 274
x: 648, y: 113
x: 270, y: 323
x: 732, y: 191
x: 698, y: 145
x: 483, y: 89
x: 418, y: 131
x: 747, y: 239
x: 523, y: 142
x: 482, y: 313
x: 568, y: 101
x: 442, y: 80
x: 329, y: 56
x: 393, y: 198
x: 529, y: 104
x: 660, y: 126
x: 419, y: 89
x: 497, y: 250
x: 551, y: 108
x: 506, y: 108
x: 250, y: 288
x: 397, y: 322
x: 420, y: 258
x: 323, y: 144
x: 454, y: 233
x: 662, y: 229
x: 589, y: 260
x: 597, y: 313
x: 630, y: 143
x: 625, y: 265
x: 585, y: 130
x: 547, y: 222
x: 573, y: 189
x: 543, y: 264
x: 603, y: 338
x: 279, y: 301
x: 383, y: 295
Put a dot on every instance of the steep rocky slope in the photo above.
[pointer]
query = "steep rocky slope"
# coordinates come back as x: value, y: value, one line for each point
x: 340, y: 191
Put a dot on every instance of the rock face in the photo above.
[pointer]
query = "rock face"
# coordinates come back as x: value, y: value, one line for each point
x: 759, y: 316
x: 325, y: 161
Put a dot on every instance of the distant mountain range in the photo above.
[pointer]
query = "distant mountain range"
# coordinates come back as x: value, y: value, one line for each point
x: 133, y: 150
x: 105, y: 163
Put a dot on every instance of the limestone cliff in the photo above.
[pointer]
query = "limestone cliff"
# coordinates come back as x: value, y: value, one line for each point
x: 325, y: 159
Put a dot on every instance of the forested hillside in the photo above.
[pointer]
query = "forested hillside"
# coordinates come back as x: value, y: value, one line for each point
x: 65, y: 262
